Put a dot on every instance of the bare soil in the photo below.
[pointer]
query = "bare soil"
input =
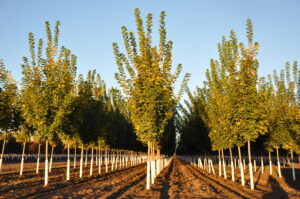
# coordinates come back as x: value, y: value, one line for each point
x: 179, y: 179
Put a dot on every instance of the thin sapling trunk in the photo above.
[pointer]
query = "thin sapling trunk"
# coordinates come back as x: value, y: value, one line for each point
x: 81, y: 162
x: 75, y: 158
x: 293, y: 166
x: 250, y: 166
x: 224, y: 165
x: 46, y: 164
x: 232, y: 166
x: 241, y: 166
x: 92, y: 161
x: 148, y: 168
x: 68, y: 163
x: 262, y: 164
x: 99, y: 160
x: 86, y: 156
x: 22, y: 159
x: 220, y: 165
x: 38, y: 159
x: 51, y: 159
x: 2, y: 154
x: 278, y: 163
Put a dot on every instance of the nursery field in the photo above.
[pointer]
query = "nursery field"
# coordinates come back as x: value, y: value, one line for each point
x: 66, y: 134
x: 179, y: 179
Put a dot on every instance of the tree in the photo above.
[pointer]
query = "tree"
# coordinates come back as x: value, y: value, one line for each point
x: 284, y: 121
x: 219, y: 121
x: 46, y: 86
x: 232, y: 84
x: 267, y: 95
x: 148, y: 81
x: 250, y: 119
x: 9, y: 118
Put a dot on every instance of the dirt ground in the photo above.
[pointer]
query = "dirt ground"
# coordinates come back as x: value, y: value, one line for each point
x: 179, y: 180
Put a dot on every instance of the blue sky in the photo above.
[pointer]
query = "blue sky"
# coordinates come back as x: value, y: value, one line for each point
x: 89, y: 28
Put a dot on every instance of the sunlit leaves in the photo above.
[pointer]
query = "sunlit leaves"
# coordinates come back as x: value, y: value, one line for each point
x: 146, y: 78
x: 47, y: 84
x: 8, y: 101
x: 234, y: 109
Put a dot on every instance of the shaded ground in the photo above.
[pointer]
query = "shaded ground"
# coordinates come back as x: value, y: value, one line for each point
x: 179, y: 180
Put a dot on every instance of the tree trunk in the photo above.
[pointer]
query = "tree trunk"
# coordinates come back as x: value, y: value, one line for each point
x: 224, y: 165
x: 99, y: 160
x: 205, y: 163
x: 278, y: 163
x: 86, y: 157
x: 2, y: 153
x: 262, y: 164
x: 96, y: 158
x: 118, y: 166
x: 250, y: 166
x: 92, y: 161
x: 117, y: 160
x: 38, y: 159
x: 81, y: 162
x: 75, y: 157
x: 270, y: 162
x: 68, y: 163
x: 51, y: 159
x: 158, y: 162
x: 293, y: 166
x: 126, y: 158
x: 101, y: 156
x: 123, y: 159
x: 46, y: 164
x: 220, y: 164
x: 212, y: 166
x: 241, y: 166
x: 112, y: 160
x: 148, y: 168
x: 208, y: 164
x: 232, y: 166
x: 106, y: 161
x: 22, y: 159
x: 153, y: 164
x: 200, y: 162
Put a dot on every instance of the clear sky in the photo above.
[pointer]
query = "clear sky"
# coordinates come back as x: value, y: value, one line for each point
x: 89, y: 28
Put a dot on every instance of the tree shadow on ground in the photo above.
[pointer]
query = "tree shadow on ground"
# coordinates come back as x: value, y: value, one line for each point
x: 258, y: 177
x: 162, y: 182
x: 277, y: 192
x: 288, y: 177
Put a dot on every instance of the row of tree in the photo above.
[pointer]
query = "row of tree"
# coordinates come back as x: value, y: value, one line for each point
x: 55, y: 106
x: 236, y: 107
x: 233, y: 109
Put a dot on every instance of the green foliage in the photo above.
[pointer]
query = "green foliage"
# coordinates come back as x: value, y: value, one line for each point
x: 47, y: 85
x: 284, y: 110
x: 9, y: 119
x: 23, y: 134
x: 192, y: 124
x: 84, y: 122
x: 146, y: 78
x: 234, y: 109
x: 98, y: 116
